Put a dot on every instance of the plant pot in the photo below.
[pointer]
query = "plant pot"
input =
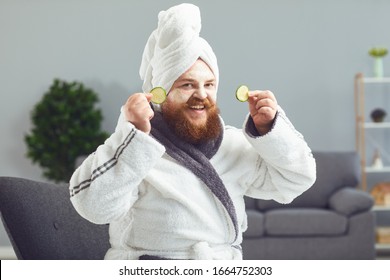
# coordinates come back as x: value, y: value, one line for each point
x: 378, y: 67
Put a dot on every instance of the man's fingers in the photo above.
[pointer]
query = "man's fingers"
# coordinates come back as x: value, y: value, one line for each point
x: 259, y: 99
x: 260, y: 94
x: 150, y: 114
x: 148, y: 96
x: 139, y: 98
x: 265, y: 102
x: 138, y: 111
x: 267, y: 112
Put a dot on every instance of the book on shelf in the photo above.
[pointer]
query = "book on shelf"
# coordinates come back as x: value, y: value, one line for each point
x: 383, y: 235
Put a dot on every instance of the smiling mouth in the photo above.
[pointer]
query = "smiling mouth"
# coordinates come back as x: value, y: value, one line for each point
x: 197, y: 107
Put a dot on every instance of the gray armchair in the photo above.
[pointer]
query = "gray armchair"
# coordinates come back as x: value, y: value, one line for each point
x: 42, y: 223
x: 332, y: 220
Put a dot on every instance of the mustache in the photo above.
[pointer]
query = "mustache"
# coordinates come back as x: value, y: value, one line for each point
x: 195, y: 101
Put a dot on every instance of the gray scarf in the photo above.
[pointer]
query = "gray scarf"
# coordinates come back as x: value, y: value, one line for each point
x: 196, y: 158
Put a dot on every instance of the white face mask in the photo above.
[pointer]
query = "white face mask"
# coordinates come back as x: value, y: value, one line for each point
x: 198, y: 81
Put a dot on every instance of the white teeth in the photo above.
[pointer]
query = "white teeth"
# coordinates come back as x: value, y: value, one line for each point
x: 197, y: 107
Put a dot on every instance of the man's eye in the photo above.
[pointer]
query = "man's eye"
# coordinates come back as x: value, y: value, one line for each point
x: 209, y: 85
x: 187, y: 85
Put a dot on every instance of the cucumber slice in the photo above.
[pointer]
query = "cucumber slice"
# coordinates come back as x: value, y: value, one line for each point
x: 159, y: 95
x: 242, y: 93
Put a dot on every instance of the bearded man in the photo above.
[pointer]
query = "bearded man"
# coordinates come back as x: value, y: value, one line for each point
x: 171, y: 179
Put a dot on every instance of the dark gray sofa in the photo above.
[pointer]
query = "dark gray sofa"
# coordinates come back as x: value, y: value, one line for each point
x: 330, y: 221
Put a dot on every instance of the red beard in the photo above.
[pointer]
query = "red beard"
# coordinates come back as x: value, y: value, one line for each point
x: 186, y: 129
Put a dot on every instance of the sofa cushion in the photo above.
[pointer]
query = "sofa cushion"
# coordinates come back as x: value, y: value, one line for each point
x: 350, y: 201
x: 335, y: 170
x: 304, y: 222
x: 250, y: 203
x: 255, y: 224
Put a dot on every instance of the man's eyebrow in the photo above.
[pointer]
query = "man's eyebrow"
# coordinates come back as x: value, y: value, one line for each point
x: 186, y: 80
x: 194, y: 80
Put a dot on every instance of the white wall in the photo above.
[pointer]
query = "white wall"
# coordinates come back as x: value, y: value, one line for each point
x: 306, y: 51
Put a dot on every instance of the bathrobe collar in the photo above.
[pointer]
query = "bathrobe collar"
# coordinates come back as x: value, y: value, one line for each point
x: 196, y: 159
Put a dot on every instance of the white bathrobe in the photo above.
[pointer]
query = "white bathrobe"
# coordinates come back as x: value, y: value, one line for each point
x: 157, y: 207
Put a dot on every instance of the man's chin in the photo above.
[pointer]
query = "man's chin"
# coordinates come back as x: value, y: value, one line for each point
x: 196, y: 118
x: 193, y: 128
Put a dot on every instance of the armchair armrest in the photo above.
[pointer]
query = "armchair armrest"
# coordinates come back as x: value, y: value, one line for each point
x: 349, y: 201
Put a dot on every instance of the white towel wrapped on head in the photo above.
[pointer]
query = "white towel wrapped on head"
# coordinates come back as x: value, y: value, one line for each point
x: 174, y: 47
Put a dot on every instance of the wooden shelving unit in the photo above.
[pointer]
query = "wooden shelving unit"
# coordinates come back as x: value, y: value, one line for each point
x: 364, y: 88
x: 363, y: 125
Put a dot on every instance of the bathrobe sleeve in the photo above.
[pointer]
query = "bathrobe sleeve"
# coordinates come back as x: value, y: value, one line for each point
x: 105, y: 186
x: 285, y: 166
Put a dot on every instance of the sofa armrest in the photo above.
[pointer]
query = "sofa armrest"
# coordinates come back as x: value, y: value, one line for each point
x: 349, y: 201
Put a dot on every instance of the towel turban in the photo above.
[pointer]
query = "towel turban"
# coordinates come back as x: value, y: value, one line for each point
x: 174, y: 47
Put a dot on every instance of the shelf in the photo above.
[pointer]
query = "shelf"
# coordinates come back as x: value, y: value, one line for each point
x: 376, y: 125
x: 370, y: 169
x: 381, y: 208
x: 365, y: 127
x: 382, y: 246
x: 373, y: 80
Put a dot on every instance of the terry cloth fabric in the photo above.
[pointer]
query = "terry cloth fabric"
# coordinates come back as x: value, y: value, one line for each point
x: 196, y: 159
x: 174, y: 47
x: 157, y: 207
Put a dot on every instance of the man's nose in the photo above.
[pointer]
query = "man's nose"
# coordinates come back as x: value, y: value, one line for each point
x: 200, y: 93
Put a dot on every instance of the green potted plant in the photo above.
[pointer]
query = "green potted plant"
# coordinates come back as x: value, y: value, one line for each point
x: 378, y: 53
x: 66, y: 125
